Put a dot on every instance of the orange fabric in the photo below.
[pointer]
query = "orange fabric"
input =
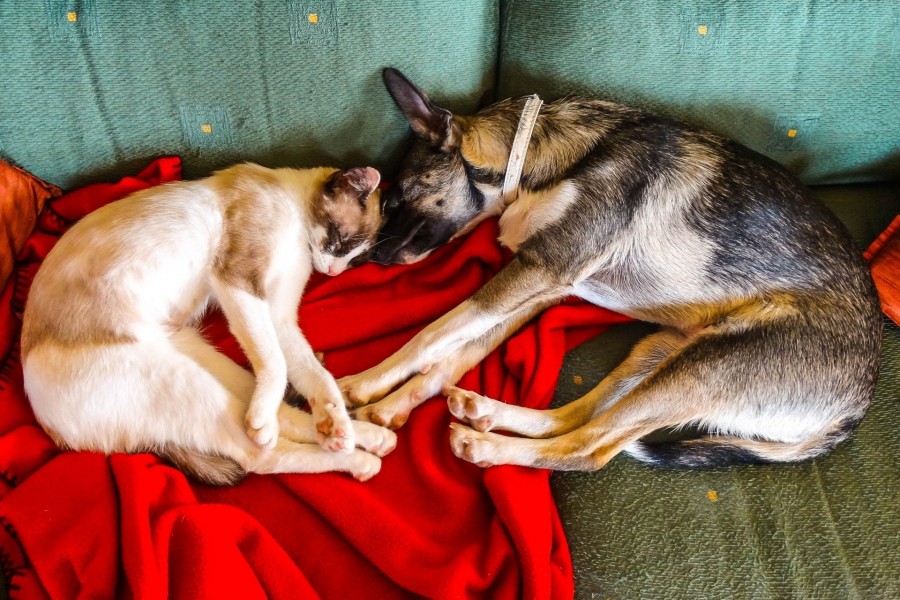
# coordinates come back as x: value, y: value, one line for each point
x: 884, y: 259
x: 22, y: 196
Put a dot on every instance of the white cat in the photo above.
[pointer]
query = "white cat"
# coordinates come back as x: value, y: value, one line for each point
x: 113, y: 361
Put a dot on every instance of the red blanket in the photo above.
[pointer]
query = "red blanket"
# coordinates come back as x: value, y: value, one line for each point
x: 87, y: 525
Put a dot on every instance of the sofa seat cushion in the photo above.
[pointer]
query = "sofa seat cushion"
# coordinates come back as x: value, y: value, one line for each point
x: 821, y: 529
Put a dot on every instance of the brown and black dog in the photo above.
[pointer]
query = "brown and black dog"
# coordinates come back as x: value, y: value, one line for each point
x: 770, y: 324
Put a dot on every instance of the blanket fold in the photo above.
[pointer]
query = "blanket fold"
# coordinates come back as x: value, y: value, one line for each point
x: 78, y: 524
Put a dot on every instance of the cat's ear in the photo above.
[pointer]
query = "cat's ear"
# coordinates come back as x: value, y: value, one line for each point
x: 356, y: 183
x: 431, y: 123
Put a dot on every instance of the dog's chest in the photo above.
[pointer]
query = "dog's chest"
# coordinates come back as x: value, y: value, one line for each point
x: 533, y: 211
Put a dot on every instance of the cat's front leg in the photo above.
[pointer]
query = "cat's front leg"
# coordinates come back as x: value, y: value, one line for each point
x: 251, y: 323
x: 334, y: 429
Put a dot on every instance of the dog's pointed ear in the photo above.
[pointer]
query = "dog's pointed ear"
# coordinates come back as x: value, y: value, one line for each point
x: 356, y: 183
x: 429, y: 122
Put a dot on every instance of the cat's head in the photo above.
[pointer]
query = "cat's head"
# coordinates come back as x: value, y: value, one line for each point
x: 347, y: 219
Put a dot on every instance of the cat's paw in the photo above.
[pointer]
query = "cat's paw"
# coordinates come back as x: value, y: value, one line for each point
x: 470, y: 407
x: 334, y: 429
x: 364, y: 388
x: 364, y: 466
x: 378, y: 440
x: 263, y: 429
x: 473, y: 446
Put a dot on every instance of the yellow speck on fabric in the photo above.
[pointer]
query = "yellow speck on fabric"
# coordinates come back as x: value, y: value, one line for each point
x: 702, y: 29
x: 712, y: 495
x: 72, y: 17
x: 313, y: 18
x: 792, y: 133
x: 206, y: 128
x: 577, y: 380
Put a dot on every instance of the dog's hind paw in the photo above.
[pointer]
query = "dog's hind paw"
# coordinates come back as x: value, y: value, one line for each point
x: 472, y: 445
x: 470, y: 407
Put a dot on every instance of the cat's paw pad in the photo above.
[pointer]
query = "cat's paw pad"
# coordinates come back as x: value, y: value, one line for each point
x: 365, y: 467
x: 334, y: 430
x: 472, y: 445
x: 263, y: 430
x: 470, y: 407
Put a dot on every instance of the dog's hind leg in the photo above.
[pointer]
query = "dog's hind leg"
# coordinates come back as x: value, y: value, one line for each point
x: 776, y: 414
x: 486, y: 414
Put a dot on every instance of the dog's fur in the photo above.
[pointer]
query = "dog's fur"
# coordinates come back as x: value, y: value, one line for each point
x: 771, y: 329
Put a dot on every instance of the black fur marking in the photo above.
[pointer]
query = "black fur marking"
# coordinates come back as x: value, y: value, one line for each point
x: 696, y: 455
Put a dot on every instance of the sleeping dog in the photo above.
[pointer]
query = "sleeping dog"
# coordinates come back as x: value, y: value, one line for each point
x: 770, y: 326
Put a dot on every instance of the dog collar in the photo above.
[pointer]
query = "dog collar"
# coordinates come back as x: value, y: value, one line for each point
x: 519, y: 148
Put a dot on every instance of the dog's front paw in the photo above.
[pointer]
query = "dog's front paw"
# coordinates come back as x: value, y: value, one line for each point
x: 473, y: 446
x: 334, y: 430
x: 471, y: 408
x: 361, y: 389
x: 386, y: 413
x: 262, y: 428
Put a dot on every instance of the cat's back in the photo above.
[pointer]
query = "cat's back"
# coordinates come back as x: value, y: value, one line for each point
x: 135, y: 262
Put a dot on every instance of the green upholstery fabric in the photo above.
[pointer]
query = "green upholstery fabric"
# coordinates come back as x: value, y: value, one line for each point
x: 760, y: 68
x: 828, y: 529
x: 97, y: 97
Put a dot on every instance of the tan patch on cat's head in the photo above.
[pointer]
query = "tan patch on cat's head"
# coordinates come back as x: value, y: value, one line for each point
x: 347, y: 214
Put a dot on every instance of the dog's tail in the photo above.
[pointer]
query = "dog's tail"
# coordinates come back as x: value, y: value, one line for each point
x: 716, y: 451
x: 206, y: 468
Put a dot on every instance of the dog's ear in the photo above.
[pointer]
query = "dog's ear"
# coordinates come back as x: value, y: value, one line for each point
x: 430, y: 122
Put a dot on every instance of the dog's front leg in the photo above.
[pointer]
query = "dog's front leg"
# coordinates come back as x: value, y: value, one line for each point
x: 441, y: 353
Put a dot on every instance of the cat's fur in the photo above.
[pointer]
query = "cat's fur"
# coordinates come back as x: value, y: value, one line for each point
x: 112, y: 358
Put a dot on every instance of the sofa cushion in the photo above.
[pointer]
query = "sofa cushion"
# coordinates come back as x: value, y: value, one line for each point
x: 812, y: 84
x: 93, y: 93
x: 821, y: 529
x: 22, y: 196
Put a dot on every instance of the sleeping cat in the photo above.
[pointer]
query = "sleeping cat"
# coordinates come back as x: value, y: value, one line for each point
x: 112, y: 357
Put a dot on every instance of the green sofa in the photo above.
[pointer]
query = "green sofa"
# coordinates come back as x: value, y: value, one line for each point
x: 94, y: 90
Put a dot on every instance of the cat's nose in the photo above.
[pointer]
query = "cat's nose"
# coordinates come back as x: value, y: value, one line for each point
x: 332, y: 271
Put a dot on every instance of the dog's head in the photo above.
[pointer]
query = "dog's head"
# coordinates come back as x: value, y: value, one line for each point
x: 347, y: 219
x: 435, y: 196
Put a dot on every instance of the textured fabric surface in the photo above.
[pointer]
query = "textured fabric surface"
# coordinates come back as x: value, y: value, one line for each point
x: 812, y: 84
x: 94, y: 90
x: 827, y: 529
x: 22, y: 196
x: 82, y: 524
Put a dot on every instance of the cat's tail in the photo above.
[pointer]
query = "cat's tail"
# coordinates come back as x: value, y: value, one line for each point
x: 212, y: 469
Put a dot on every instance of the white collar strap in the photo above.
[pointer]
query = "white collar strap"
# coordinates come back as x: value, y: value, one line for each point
x: 519, y: 148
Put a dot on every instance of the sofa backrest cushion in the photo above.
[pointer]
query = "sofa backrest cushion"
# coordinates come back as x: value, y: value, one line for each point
x: 815, y: 84
x: 95, y: 92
